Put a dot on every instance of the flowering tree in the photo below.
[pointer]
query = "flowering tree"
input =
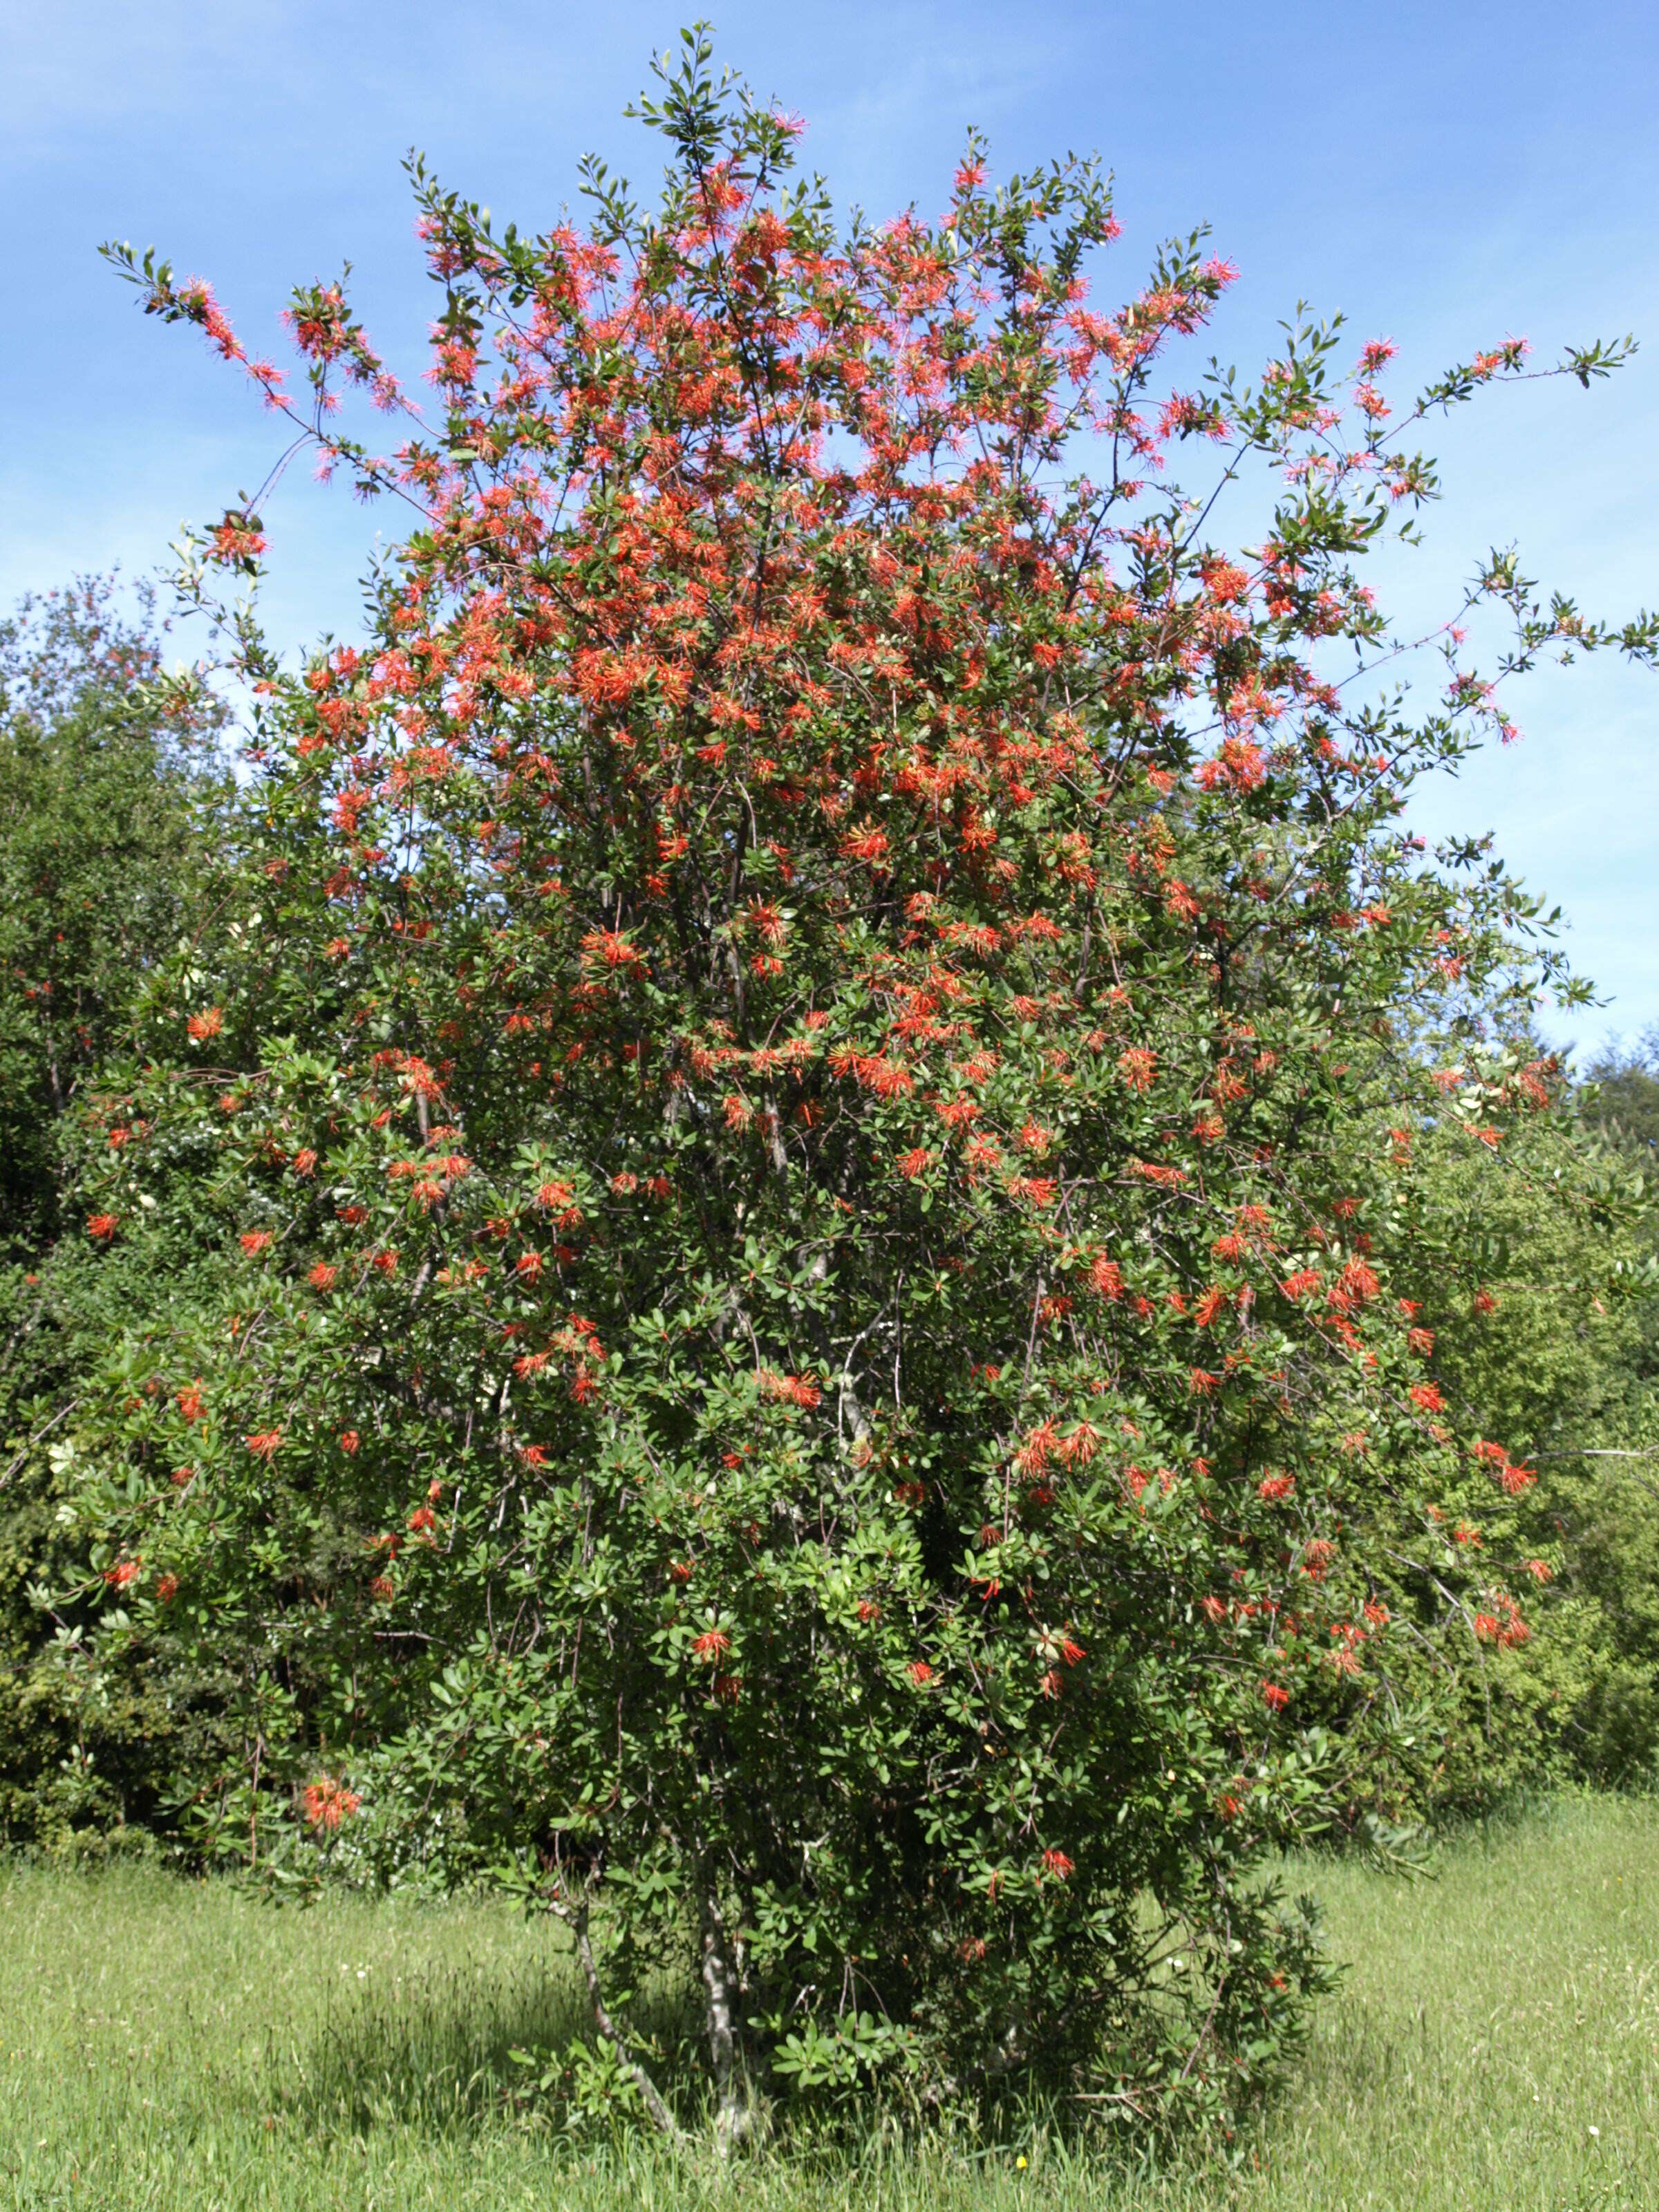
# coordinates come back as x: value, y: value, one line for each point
x: 802, y: 1108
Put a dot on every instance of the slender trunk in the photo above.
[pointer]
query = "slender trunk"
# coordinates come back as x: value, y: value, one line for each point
x: 575, y: 1918
x: 719, y: 1981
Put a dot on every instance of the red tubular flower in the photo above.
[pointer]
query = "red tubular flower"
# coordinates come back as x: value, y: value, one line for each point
x: 328, y: 1801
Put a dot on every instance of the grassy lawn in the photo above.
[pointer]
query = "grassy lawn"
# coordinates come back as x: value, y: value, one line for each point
x: 182, y: 2047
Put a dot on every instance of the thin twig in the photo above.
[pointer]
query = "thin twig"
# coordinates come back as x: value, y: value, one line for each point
x: 661, y: 2119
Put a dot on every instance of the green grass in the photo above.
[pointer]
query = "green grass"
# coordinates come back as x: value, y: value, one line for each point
x: 182, y: 2047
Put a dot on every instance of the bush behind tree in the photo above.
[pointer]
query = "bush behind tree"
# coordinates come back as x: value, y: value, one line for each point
x: 1531, y: 1273
x: 113, y: 803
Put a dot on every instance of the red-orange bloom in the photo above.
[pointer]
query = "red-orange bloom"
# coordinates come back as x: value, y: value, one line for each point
x: 265, y: 1443
x: 611, y: 947
x: 327, y: 1802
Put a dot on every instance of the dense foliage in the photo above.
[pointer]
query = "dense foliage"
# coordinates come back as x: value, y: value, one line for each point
x: 804, y: 1137
x: 111, y: 795
x: 1532, y: 1271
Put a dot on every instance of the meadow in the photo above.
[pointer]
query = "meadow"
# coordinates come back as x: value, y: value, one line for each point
x: 181, y: 2046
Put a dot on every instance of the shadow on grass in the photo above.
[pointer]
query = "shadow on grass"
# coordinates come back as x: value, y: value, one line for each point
x: 444, y: 2047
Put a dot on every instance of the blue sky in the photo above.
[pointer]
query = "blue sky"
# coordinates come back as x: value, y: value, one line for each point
x: 1444, y: 173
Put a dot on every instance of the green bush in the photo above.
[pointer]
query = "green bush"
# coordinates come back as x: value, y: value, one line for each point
x: 112, y: 804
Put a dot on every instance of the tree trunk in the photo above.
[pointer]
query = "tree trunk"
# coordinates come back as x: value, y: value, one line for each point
x: 720, y: 1985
